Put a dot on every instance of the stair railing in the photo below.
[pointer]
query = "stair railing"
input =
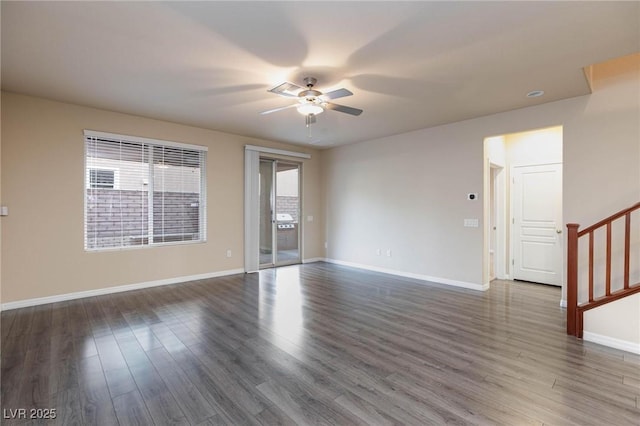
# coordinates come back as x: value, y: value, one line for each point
x: 575, y: 310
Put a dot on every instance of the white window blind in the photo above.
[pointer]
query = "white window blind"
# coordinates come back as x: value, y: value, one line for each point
x: 142, y: 192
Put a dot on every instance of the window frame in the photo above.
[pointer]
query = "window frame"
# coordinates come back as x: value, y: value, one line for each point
x: 149, y: 143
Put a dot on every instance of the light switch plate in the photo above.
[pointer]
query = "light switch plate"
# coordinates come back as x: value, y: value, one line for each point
x: 471, y: 223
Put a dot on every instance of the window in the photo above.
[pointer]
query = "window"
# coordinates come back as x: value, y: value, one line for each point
x: 99, y: 178
x: 141, y: 192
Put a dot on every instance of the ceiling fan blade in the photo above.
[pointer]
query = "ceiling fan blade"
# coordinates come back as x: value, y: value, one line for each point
x: 335, y: 94
x: 278, y: 109
x: 342, y: 108
x: 287, y: 89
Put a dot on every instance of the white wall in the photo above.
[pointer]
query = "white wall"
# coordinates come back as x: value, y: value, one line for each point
x: 542, y: 146
x: 407, y: 192
x: 496, y: 150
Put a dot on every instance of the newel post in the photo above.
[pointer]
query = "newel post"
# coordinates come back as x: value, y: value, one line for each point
x: 572, y: 277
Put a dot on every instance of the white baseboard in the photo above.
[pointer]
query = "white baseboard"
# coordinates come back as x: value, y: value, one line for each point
x: 427, y: 278
x: 117, y: 289
x: 623, y: 345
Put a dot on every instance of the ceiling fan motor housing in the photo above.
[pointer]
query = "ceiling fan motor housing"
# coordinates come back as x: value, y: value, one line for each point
x: 310, y: 82
x: 309, y: 93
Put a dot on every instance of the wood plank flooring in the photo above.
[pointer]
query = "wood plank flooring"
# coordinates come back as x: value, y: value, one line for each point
x: 312, y: 344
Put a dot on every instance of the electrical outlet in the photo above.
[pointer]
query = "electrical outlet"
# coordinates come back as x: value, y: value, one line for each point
x: 228, y: 253
x: 326, y: 244
x: 378, y: 252
x: 388, y: 252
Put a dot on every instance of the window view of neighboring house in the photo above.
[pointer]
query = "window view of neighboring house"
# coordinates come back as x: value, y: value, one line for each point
x: 99, y: 178
x: 139, y: 193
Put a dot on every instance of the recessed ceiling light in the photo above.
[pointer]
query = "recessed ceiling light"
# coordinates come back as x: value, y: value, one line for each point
x: 535, y: 93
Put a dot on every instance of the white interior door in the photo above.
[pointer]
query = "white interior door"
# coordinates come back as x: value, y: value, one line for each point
x: 537, y: 223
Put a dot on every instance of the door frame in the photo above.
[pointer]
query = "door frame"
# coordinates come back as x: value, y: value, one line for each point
x: 497, y: 209
x: 271, y: 219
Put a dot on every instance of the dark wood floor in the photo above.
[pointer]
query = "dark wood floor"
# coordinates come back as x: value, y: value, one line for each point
x: 313, y: 344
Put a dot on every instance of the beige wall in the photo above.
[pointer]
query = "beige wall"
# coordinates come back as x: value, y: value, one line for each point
x: 407, y: 192
x: 42, y: 183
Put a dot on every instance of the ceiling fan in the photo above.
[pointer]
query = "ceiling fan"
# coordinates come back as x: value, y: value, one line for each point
x: 311, y: 102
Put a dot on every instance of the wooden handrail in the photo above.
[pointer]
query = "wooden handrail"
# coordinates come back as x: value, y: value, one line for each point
x: 609, y: 219
x: 575, y: 311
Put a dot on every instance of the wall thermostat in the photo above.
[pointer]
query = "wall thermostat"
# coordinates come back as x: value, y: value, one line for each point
x: 472, y: 196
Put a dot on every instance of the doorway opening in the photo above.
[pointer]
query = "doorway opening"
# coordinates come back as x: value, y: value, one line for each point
x: 523, y: 207
x: 496, y: 216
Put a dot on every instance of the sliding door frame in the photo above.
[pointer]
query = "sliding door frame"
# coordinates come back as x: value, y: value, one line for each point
x: 253, y: 155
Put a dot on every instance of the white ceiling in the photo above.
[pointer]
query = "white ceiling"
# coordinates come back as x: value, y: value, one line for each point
x: 410, y: 65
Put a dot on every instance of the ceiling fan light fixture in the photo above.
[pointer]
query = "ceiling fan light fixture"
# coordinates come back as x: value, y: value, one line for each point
x: 307, y: 109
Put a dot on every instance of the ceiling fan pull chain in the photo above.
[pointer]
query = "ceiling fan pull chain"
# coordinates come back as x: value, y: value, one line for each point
x: 308, y: 120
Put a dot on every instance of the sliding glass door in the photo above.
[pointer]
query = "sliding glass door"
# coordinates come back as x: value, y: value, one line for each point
x: 279, y: 212
x: 267, y: 212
